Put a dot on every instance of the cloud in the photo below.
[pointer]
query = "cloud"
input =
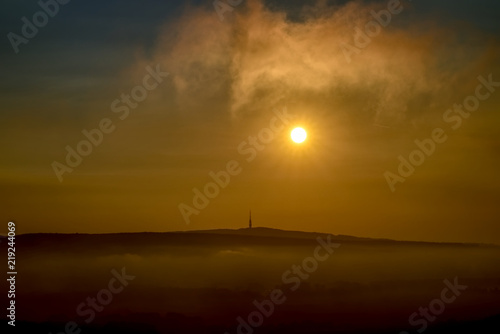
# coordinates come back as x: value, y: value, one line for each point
x: 260, y: 57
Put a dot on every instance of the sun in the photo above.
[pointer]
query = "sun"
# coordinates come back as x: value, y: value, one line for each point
x: 298, y: 135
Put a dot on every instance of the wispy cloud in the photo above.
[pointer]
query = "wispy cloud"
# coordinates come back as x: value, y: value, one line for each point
x: 261, y: 57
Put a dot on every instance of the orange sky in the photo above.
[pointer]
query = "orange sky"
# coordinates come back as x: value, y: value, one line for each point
x: 226, y: 82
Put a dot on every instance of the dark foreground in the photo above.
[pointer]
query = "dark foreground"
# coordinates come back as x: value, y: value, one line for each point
x: 252, y: 281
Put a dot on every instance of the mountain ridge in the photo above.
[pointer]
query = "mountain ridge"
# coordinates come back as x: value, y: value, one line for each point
x: 256, y: 232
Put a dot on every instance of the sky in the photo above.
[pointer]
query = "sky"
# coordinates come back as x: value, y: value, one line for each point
x: 189, y: 107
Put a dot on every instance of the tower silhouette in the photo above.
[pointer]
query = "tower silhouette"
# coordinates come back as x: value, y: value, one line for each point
x: 250, y: 219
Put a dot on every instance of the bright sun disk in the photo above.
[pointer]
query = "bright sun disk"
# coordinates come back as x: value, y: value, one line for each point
x: 298, y: 135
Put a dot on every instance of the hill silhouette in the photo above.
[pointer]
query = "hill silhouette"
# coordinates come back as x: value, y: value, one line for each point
x: 218, y: 238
